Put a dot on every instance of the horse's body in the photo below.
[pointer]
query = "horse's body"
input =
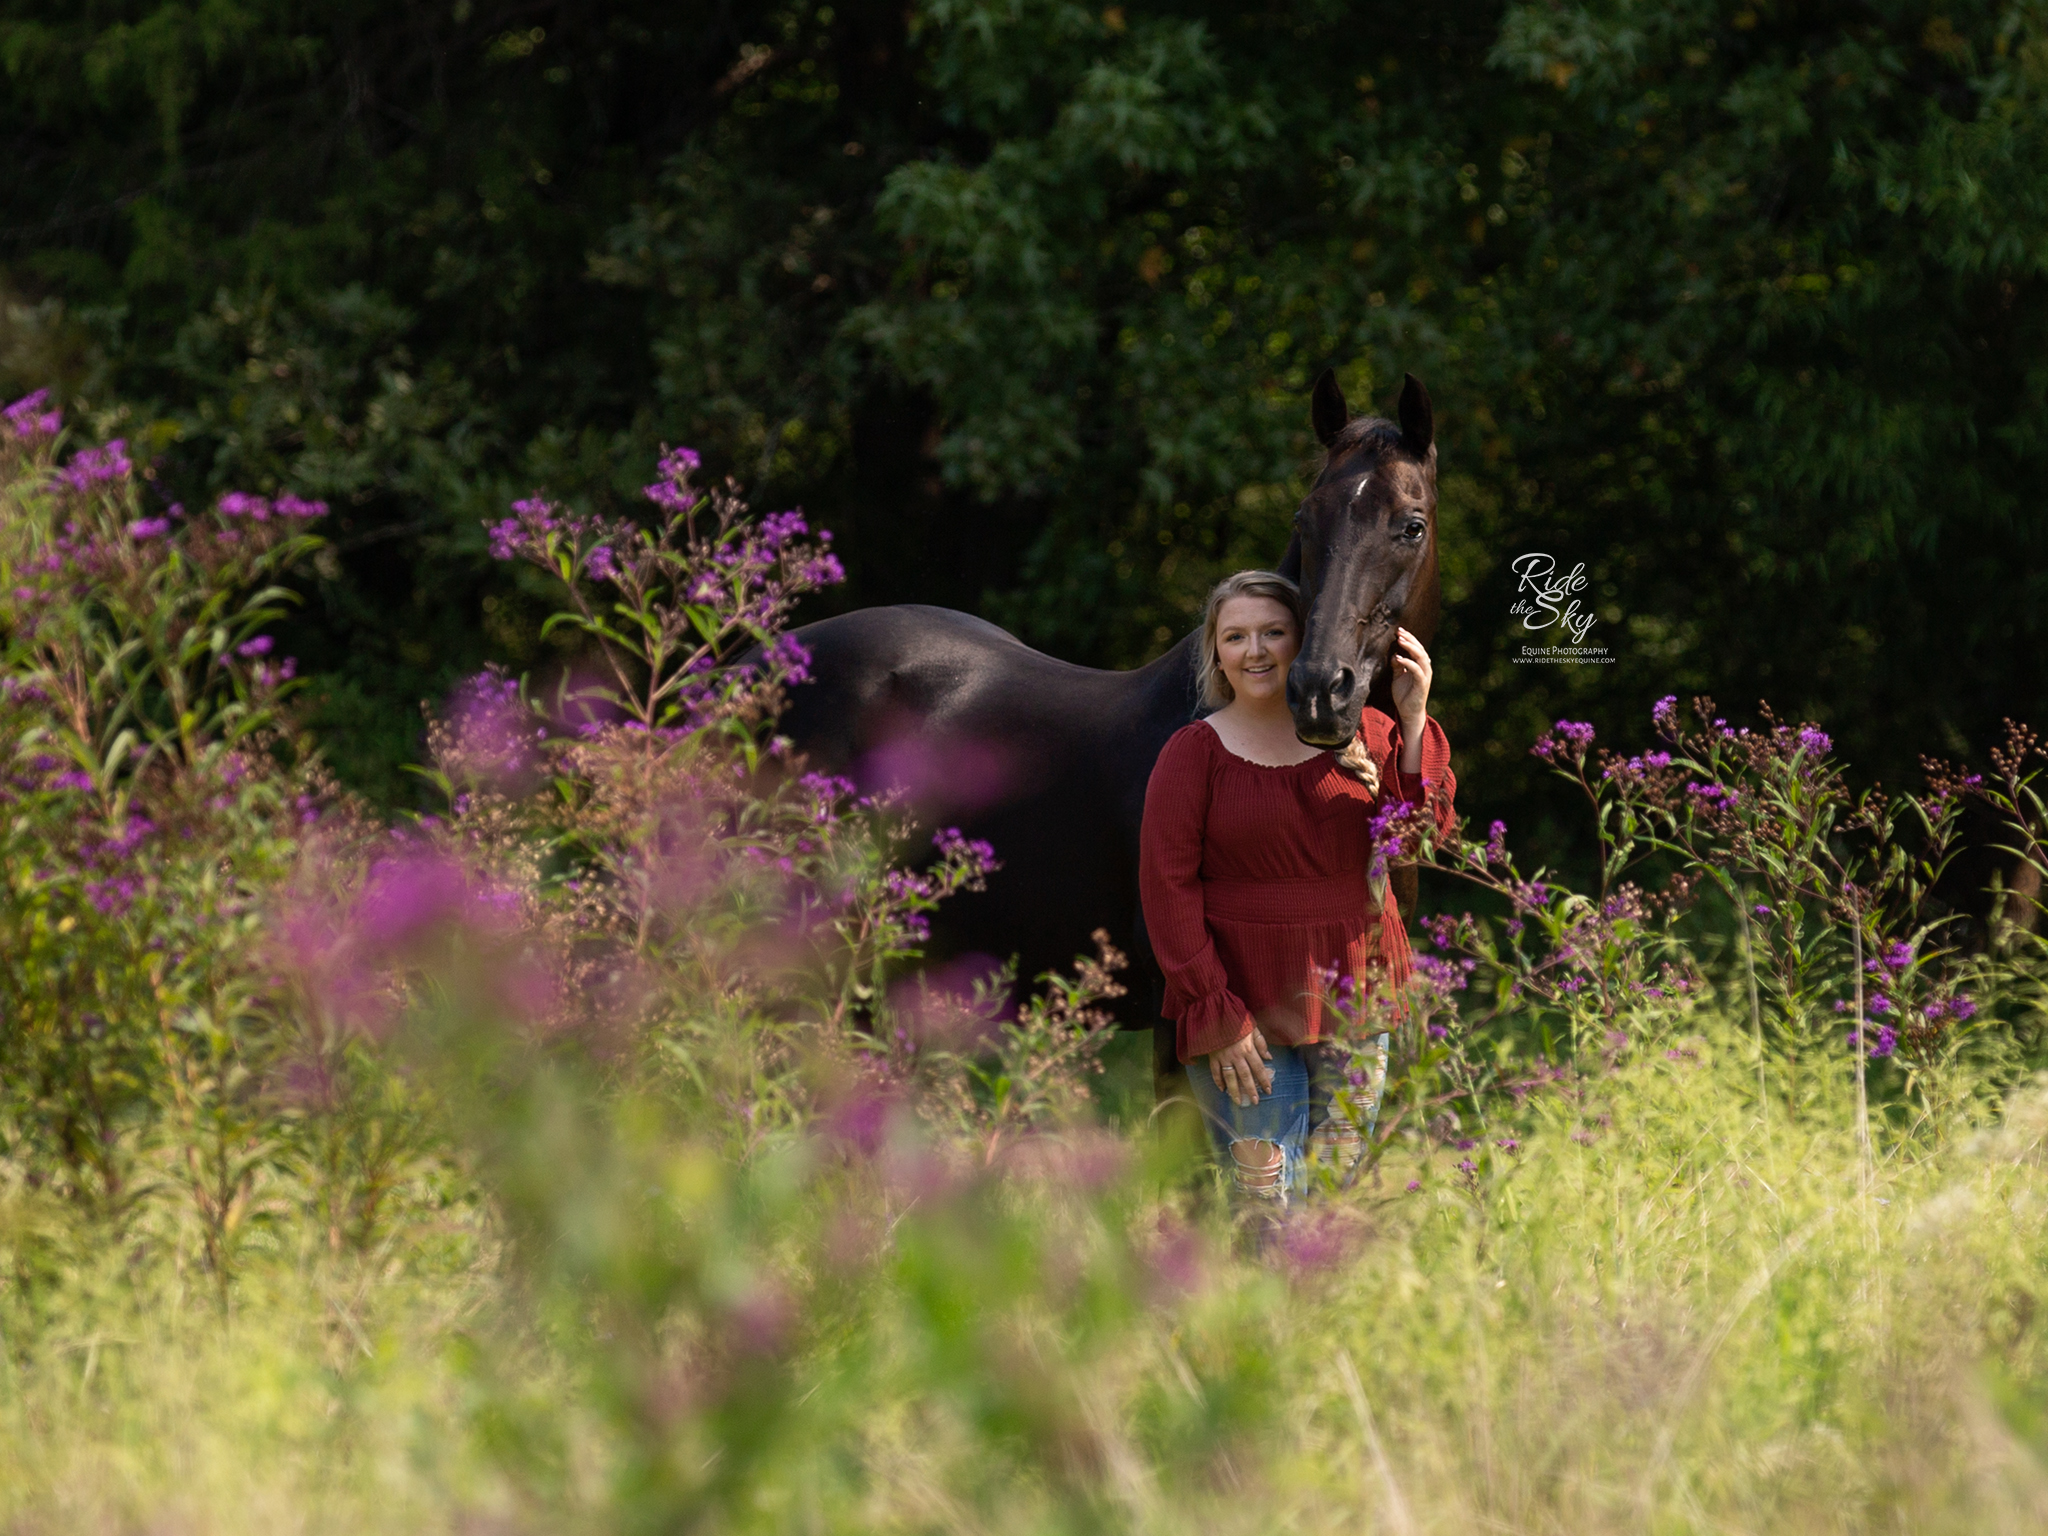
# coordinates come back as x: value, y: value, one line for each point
x: 1049, y: 761
x: 1046, y: 760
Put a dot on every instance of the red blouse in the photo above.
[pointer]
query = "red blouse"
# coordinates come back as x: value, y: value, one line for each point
x: 1254, y: 878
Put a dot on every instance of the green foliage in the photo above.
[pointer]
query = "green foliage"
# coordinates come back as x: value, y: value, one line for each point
x: 575, y: 1156
x: 1738, y: 305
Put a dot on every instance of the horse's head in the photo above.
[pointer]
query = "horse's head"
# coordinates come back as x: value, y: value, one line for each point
x: 1366, y: 541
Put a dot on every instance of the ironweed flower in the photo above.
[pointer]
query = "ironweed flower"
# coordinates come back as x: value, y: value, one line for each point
x: 91, y: 467
x: 28, y: 420
x: 1567, y: 742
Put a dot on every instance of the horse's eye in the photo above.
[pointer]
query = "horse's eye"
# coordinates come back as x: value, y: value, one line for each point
x: 1416, y: 528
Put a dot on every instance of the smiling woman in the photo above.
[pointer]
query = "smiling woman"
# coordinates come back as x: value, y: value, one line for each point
x: 1256, y: 872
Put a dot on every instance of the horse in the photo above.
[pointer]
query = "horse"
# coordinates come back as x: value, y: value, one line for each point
x: 1049, y: 761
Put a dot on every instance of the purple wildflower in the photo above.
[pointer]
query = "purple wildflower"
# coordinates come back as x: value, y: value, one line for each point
x: 27, y: 419
x: 149, y: 528
x: 1814, y: 741
x: 1886, y: 1042
x: 242, y: 504
x: 96, y: 466
x: 1664, y: 715
x: 250, y: 649
x: 671, y: 492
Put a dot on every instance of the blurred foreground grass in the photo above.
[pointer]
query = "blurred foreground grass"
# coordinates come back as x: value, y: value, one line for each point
x: 1664, y: 1310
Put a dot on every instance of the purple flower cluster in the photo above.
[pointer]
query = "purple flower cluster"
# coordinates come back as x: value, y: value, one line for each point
x: 972, y: 854
x: 526, y: 531
x: 1713, y: 797
x: 1568, y: 742
x: 1664, y: 715
x: 1636, y: 767
x: 30, y: 419
x: 1395, y: 832
x: 492, y: 735
x: 1497, y: 843
x: 90, y: 467
x: 258, y: 509
x: 672, y: 492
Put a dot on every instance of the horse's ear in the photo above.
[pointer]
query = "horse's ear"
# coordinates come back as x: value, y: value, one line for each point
x: 1418, y: 419
x: 1327, y: 411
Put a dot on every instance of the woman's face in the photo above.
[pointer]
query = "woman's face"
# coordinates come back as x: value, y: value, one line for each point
x: 1255, y: 642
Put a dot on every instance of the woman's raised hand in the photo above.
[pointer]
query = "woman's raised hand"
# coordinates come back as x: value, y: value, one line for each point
x: 1240, y: 1069
x: 1412, y: 675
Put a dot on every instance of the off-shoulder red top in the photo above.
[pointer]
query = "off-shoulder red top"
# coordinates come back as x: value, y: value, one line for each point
x: 1255, y: 878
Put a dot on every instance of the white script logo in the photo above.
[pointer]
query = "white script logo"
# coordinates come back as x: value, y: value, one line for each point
x: 1551, y: 598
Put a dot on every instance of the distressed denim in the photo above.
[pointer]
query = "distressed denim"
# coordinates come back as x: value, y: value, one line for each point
x: 1306, y: 1081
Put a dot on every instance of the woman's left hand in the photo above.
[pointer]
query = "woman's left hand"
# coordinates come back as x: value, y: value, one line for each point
x: 1412, y: 675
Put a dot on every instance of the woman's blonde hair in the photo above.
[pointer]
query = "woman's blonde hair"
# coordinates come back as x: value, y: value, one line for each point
x: 1210, y: 683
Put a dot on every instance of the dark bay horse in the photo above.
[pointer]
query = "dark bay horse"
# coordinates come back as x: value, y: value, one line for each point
x: 1049, y: 761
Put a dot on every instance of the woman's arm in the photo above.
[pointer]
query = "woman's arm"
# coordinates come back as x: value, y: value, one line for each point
x: 1211, y: 1017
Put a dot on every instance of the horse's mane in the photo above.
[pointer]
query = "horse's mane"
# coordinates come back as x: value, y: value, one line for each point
x: 1375, y: 433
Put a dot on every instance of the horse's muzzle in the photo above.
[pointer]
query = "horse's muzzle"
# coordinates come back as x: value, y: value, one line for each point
x: 1325, y: 701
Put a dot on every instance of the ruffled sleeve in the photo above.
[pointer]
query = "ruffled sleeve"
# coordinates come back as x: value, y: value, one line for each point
x: 1434, y: 787
x: 1198, y: 996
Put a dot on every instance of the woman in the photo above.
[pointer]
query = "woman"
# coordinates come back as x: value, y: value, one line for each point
x: 1255, y: 876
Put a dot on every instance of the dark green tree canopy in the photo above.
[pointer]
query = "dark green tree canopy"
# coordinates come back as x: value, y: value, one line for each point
x: 1739, y: 304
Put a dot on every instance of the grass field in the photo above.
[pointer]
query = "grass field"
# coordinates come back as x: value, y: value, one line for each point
x: 1687, y: 1316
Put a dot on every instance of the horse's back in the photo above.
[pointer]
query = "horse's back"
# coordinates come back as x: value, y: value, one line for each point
x: 1045, y: 759
x: 876, y: 672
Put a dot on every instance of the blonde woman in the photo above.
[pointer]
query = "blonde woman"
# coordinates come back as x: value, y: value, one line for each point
x: 1254, y: 873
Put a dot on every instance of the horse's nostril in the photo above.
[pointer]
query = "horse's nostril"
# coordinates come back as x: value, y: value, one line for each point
x: 1341, y: 686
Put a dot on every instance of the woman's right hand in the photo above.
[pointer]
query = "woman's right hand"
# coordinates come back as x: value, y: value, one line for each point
x: 1239, y: 1070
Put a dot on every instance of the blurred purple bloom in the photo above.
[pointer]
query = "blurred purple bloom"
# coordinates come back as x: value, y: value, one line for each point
x: 1664, y: 714
x: 96, y: 466
x: 260, y: 646
x: 27, y: 419
x: 1814, y: 741
x: 1886, y: 1042
x: 149, y: 528
x: 242, y: 504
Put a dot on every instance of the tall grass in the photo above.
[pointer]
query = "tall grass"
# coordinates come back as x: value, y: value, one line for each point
x: 586, y: 1156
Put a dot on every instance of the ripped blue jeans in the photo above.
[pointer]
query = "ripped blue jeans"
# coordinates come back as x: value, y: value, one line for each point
x: 1300, y: 1116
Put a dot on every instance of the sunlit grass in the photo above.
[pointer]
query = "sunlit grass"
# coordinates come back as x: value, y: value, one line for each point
x: 1689, y: 1317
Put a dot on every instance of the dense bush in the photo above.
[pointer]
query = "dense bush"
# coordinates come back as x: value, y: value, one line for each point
x: 587, y: 1151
